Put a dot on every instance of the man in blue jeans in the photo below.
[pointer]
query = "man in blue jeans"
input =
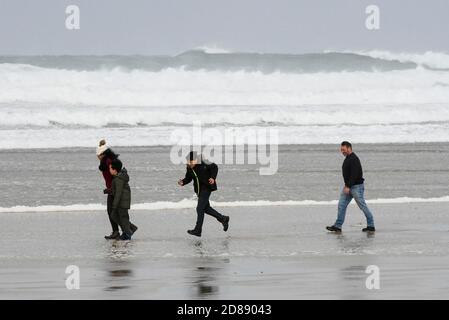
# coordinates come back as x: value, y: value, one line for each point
x: 353, y: 189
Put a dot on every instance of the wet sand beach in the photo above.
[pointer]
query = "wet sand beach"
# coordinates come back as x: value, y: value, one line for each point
x: 268, y: 253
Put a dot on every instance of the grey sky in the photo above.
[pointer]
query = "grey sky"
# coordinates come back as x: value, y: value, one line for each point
x: 170, y: 26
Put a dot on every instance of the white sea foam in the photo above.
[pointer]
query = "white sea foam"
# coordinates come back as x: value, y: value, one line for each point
x: 213, y: 49
x: 44, y: 106
x: 35, y: 87
x: 160, y: 136
x: 190, y: 203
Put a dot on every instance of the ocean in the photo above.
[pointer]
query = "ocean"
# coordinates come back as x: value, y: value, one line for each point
x: 315, y: 98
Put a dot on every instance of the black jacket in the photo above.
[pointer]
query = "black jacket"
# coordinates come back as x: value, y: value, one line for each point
x: 352, y: 171
x: 200, y: 175
x: 109, y: 155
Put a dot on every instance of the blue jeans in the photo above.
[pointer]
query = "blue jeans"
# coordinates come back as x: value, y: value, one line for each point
x: 356, y: 192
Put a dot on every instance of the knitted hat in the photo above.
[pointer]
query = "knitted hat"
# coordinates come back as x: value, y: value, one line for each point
x: 102, y: 147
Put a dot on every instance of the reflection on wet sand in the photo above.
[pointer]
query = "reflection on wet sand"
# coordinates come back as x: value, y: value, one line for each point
x: 117, y: 276
x: 118, y: 266
x: 353, y: 277
x: 207, y: 270
x: 205, y: 282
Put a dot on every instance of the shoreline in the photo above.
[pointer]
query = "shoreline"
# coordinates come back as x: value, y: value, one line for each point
x: 191, y: 204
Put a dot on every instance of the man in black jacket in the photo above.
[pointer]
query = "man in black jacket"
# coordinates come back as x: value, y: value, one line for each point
x: 203, y: 175
x: 354, y: 188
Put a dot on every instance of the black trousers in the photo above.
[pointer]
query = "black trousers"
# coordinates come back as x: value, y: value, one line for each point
x: 121, y: 217
x: 109, y: 209
x: 203, y: 207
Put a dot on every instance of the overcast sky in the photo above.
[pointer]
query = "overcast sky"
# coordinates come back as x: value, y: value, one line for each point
x: 173, y: 26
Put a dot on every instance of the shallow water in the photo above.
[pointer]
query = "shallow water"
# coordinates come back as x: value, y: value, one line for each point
x: 70, y: 176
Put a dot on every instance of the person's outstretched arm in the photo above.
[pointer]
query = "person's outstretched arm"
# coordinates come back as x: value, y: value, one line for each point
x: 187, y: 179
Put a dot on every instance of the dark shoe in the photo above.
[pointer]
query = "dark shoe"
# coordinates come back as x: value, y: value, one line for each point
x: 194, y: 232
x: 369, y: 229
x: 333, y: 229
x: 113, y: 236
x: 125, y: 237
x: 225, y: 223
x: 133, y: 228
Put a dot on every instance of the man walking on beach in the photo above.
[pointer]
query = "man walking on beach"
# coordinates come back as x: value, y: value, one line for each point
x: 122, y: 199
x: 354, y: 188
x: 203, y: 175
